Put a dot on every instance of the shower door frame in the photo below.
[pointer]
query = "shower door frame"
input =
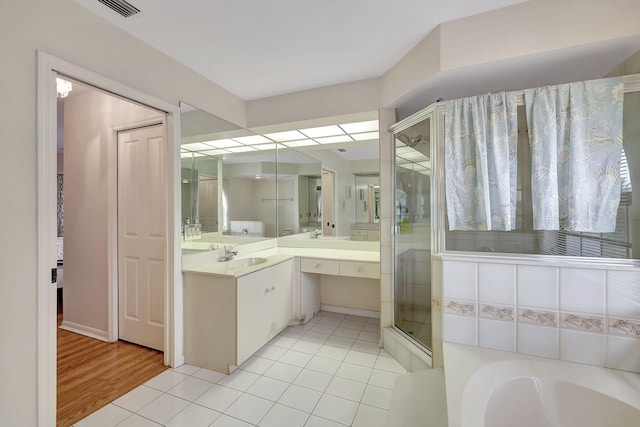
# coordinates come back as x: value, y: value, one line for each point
x: 436, y: 131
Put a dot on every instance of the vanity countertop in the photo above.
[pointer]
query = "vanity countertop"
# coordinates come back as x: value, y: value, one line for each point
x: 274, y: 256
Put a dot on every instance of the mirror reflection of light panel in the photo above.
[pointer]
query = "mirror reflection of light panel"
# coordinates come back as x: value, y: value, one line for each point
x: 195, y: 146
x: 359, y: 127
x: 300, y: 143
x: 191, y: 154
x: 413, y: 156
x: 404, y: 150
x: 272, y: 146
x: 223, y: 143
x: 322, y: 131
x: 365, y: 136
x: 290, y: 135
x: 242, y: 149
x: 214, y: 152
x: 252, y: 139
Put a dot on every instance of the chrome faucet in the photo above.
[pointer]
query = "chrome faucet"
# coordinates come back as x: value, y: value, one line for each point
x: 228, y: 253
x: 315, y: 234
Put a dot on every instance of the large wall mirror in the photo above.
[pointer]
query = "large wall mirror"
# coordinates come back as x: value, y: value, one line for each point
x: 228, y: 190
x: 312, y: 179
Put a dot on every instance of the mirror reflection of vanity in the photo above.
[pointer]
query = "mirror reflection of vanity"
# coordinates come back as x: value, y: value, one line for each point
x: 243, y: 185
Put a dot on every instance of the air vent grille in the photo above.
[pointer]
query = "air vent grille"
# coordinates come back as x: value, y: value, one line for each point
x: 122, y: 7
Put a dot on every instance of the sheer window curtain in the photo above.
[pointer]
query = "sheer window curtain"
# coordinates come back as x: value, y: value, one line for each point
x: 480, y: 162
x: 575, y: 133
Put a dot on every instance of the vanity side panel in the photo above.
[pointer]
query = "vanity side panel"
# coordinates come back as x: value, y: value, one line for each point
x: 209, y: 321
x: 309, y: 295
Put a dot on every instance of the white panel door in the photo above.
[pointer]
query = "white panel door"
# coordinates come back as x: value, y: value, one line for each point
x: 141, y: 236
x: 328, y: 215
x: 208, y: 204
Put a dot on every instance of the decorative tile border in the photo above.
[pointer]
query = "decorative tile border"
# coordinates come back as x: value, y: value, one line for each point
x: 461, y: 308
x: 582, y: 322
x: 497, y: 312
x: 591, y: 328
x: 625, y: 327
x: 435, y: 304
x: 537, y: 317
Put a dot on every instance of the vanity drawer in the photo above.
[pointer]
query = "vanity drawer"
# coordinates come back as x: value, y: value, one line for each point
x: 356, y: 232
x: 370, y: 270
x: 321, y: 266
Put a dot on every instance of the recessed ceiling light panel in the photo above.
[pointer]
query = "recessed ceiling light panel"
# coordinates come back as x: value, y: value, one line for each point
x: 301, y: 143
x: 365, y: 136
x: 334, y: 139
x: 290, y: 135
x: 359, y: 127
x: 322, y: 131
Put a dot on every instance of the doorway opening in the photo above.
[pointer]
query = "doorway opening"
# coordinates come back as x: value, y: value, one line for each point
x: 86, y: 118
x: 92, y: 180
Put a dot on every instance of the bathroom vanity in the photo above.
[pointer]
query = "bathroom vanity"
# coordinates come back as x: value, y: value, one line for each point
x: 229, y: 315
x: 233, y: 308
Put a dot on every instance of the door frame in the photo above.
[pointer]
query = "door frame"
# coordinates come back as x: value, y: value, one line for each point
x: 48, y: 67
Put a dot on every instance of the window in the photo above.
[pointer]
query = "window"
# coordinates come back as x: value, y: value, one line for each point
x: 525, y: 240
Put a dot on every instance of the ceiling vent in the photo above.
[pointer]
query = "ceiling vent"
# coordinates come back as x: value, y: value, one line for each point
x: 122, y: 7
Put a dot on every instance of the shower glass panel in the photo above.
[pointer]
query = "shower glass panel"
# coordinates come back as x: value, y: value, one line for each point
x: 412, y: 278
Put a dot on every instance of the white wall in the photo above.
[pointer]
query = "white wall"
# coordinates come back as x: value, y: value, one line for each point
x: 535, y: 26
x: 513, y: 33
x: 68, y: 31
x: 89, y: 120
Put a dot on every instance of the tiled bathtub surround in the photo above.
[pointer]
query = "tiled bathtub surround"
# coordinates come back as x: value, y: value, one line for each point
x: 586, y: 315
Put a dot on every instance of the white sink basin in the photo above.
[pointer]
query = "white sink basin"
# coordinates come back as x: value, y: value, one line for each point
x: 244, y: 262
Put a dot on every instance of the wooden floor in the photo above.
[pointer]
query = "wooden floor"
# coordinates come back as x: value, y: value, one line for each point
x: 92, y: 373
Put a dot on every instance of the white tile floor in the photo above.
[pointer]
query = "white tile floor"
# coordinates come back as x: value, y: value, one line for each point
x: 328, y: 372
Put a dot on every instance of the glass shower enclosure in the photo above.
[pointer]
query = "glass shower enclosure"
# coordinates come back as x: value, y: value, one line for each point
x: 412, y: 230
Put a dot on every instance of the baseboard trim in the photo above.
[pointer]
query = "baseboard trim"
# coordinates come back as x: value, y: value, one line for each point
x: 351, y: 311
x: 85, y: 330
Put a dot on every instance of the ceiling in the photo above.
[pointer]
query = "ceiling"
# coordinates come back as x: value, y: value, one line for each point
x: 257, y: 49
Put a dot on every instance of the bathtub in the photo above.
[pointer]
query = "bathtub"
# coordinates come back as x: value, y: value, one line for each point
x: 489, y: 388
x: 535, y: 401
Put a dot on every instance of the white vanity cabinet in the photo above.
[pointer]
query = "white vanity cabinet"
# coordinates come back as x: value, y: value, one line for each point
x: 227, y: 319
x: 264, y: 306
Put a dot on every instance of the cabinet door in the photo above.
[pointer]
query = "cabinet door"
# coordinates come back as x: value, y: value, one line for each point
x: 281, y: 298
x: 253, y: 293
